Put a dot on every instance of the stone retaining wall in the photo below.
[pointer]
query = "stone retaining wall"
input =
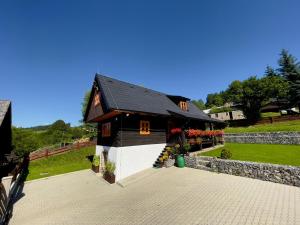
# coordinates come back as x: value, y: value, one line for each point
x: 289, y: 175
x: 290, y: 138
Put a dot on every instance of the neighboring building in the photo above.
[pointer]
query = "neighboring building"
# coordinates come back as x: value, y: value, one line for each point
x: 231, y: 112
x: 134, y: 122
x: 5, y: 129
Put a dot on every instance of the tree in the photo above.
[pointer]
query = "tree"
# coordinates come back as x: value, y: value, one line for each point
x: 200, y: 104
x: 85, y: 102
x: 24, y: 141
x: 214, y: 99
x: 270, y: 72
x: 290, y: 70
x: 234, y: 92
x: 59, y: 132
x: 252, y: 99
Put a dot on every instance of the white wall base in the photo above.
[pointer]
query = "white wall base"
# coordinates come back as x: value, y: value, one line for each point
x: 131, y: 159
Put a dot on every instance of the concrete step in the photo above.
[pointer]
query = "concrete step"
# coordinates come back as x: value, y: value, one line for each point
x: 204, y: 168
x: 203, y: 163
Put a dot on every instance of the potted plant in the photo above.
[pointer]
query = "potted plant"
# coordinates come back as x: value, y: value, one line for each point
x: 179, y: 158
x: 109, y: 172
x: 186, y: 148
x: 96, y: 163
x: 198, y: 140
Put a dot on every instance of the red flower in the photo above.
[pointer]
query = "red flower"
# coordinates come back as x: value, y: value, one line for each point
x: 176, y: 131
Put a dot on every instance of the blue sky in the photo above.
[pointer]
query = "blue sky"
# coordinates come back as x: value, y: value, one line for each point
x: 50, y: 50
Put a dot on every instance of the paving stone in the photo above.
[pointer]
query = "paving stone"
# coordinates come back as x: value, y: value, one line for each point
x: 180, y: 196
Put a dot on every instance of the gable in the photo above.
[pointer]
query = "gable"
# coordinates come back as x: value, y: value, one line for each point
x: 95, y: 106
x: 4, y: 108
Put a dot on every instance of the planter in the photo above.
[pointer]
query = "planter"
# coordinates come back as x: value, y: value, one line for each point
x: 180, y: 161
x: 110, y: 178
x: 169, y: 162
x: 95, y: 169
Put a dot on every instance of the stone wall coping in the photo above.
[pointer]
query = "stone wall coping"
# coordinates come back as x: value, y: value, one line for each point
x: 274, y: 132
x: 253, y: 163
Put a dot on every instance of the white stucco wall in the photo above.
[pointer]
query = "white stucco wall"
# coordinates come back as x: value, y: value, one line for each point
x: 131, y: 159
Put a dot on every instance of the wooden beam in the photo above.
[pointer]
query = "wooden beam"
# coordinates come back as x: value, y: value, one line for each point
x: 106, y: 116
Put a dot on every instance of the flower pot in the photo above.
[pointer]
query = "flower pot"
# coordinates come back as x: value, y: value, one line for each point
x: 95, y: 169
x: 180, y: 161
x: 110, y: 178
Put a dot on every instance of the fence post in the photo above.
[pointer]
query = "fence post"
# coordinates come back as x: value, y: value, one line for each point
x: 46, y: 153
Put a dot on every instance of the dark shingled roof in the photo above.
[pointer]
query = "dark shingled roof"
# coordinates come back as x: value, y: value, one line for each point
x: 125, y: 96
x: 4, y: 106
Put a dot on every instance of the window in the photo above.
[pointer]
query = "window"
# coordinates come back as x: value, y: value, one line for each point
x: 183, y: 105
x: 106, y: 129
x: 144, y: 127
x: 97, y: 99
x: 217, y: 115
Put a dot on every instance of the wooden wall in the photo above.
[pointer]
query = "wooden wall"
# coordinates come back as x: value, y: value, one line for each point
x: 6, y: 135
x: 125, y: 131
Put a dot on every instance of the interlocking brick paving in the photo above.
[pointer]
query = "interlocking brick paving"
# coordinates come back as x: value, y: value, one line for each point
x: 170, y: 196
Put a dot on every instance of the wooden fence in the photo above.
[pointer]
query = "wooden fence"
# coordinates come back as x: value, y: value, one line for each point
x: 49, y: 152
x: 266, y: 120
x: 10, y: 187
x: 276, y: 119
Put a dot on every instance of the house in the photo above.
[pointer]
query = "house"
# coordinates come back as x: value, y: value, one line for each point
x: 5, y: 129
x: 227, y: 112
x: 134, y: 122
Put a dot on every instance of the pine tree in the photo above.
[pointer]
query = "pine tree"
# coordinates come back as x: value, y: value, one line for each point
x: 270, y: 72
x: 289, y: 67
x: 290, y: 70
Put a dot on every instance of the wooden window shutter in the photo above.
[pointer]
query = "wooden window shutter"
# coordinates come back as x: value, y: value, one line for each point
x: 144, y: 127
x: 97, y: 99
x: 106, y: 129
x: 183, y: 105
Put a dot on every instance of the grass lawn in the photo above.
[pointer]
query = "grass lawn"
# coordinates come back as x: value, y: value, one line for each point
x: 59, y: 164
x: 270, y: 114
x: 277, y: 154
x: 281, y: 126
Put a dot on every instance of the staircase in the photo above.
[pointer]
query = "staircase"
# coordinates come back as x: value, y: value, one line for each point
x: 157, y: 163
x: 203, y: 163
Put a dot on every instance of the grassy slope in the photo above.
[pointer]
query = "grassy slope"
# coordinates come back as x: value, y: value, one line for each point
x: 282, y: 126
x: 59, y: 164
x: 277, y: 154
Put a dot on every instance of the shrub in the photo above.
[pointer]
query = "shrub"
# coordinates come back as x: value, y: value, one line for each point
x: 187, y: 147
x: 110, y: 167
x: 96, y: 160
x: 226, y: 154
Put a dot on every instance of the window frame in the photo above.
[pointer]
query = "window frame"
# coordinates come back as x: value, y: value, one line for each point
x: 183, y: 105
x: 144, y: 127
x: 106, y: 129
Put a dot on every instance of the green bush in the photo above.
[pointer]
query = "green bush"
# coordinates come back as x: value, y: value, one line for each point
x: 226, y: 154
x: 96, y: 160
x: 110, y: 167
x: 187, y: 147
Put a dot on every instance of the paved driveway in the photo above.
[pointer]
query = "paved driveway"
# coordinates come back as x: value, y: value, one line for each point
x: 168, y: 196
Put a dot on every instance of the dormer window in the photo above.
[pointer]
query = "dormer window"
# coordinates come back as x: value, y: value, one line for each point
x: 183, y: 105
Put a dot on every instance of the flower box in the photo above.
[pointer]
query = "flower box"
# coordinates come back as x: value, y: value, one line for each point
x: 110, y: 178
x: 96, y: 169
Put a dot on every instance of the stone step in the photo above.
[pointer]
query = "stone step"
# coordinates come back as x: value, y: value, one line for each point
x: 200, y: 167
x: 203, y: 163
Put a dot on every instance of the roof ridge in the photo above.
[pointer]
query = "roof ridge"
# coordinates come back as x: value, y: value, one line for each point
x: 130, y: 84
